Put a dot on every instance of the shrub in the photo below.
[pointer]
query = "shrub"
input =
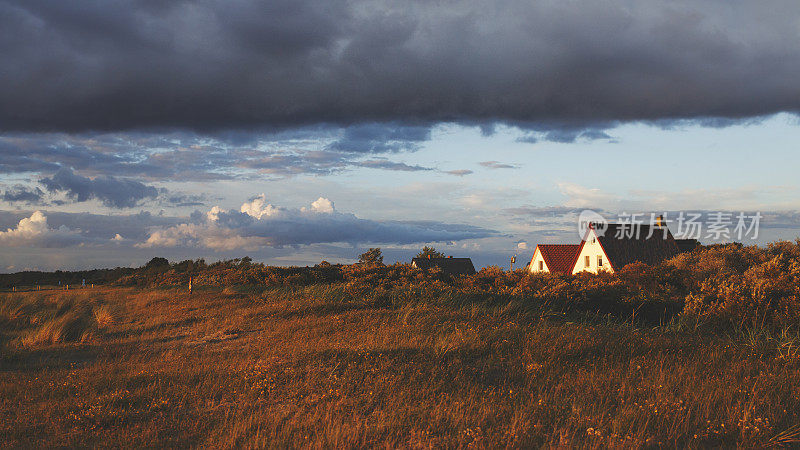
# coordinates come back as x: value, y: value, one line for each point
x: 104, y: 316
x: 722, y: 286
x: 743, y: 287
x: 75, y: 325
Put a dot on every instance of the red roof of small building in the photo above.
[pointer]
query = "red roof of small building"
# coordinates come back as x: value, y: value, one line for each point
x: 559, y: 257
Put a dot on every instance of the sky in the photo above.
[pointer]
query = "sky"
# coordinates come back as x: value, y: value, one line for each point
x: 300, y: 131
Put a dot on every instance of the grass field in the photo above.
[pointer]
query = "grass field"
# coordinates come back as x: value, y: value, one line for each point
x: 311, y: 366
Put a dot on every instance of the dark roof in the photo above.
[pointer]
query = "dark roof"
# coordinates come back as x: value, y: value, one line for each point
x: 560, y: 258
x: 450, y: 265
x: 624, y: 247
x: 687, y: 245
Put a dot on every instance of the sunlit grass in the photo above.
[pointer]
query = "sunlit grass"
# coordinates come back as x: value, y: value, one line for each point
x: 333, y: 366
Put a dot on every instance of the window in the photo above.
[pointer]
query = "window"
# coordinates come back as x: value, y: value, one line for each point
x: 586, y: 261
x: 594, y: 240
x: 541, y: 265
x: 599, y: 261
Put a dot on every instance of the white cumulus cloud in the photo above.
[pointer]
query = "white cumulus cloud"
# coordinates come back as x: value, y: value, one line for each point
x: 322, y: 205
x: 257, y: 207
x: 260, y: 224
x: 33, y: 231
x: 209, y: 235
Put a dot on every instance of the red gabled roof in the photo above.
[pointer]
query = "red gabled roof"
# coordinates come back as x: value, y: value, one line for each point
x: 559, y: 257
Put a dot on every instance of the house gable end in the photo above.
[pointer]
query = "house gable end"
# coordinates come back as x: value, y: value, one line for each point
x: 538, y: 256
x: 592, y: 247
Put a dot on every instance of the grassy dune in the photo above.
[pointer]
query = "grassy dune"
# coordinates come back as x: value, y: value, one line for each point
x: 314, y: 366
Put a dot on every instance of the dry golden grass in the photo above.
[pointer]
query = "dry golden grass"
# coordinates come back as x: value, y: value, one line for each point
x: 73, y: 326
x: 312, y: 367
x: 103, y: 315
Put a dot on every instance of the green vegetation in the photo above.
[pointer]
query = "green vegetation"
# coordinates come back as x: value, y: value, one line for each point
x: 32, y: 279
x: 372, y: 256
x: 701, y: 351
x: 429, y: 252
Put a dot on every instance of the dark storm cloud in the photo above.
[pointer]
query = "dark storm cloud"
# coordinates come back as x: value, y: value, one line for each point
x: 567, y: 133
x: 381, y: 138
x: 210, y: 65
x: 113, y: 192
x: 567, y: 136
x: 23, y: 194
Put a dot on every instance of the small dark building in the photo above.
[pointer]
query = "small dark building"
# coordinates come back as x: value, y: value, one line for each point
x: 449, y: 265
x: 687, y: 245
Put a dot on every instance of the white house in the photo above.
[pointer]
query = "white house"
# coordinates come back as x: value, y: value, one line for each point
x: 591, y: 257
x: 610, y: 247
x: 617, y: 245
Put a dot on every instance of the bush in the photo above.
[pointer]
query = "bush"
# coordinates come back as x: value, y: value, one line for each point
x: 743, y: 287
x: 724, y: 286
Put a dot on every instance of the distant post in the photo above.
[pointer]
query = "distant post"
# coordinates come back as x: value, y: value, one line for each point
x: 190, y: 285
